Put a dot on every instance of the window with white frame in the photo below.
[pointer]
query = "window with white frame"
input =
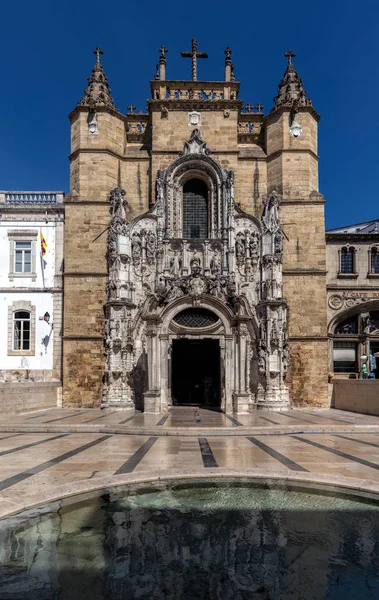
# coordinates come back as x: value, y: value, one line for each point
x: 21, y: 330
x: 23, y: 257
x: 22, y: 253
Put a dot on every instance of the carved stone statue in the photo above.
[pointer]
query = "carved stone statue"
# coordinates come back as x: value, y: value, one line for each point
x: 118, y: 203
x: 270, y: 212
x: 278, y: 242
x: 262, y: 360
x: 215, y: 264
x: 150, y: 247
x: 254, y: 246
x: 136, y: 247
x: 175, y: 264
x: 196, y: 264
x: 240, y: 249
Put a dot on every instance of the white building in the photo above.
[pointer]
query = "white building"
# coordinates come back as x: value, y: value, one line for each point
x: 31, y: 265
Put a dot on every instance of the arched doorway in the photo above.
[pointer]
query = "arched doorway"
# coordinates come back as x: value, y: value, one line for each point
x: 196, y: 372
x: 196, y: 358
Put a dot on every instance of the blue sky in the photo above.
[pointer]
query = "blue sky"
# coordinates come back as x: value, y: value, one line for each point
x: 47, y: 48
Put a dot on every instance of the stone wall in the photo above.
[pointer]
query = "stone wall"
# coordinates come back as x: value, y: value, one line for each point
x: 28, y: 396
x: 361, y: 395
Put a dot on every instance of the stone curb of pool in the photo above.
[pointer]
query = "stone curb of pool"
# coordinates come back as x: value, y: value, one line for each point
x: 187, y: 431
x: 363, y: 488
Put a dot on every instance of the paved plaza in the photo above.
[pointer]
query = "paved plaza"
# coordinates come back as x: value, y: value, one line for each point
x: 43, y: 450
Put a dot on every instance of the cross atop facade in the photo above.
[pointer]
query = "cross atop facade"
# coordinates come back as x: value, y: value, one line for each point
x: 163, y: 51
x: 290, y: 55
x: 194, y: 54
x: 249, y: 107
x: 98, y: 53
x: 259, y: 108
x: 131, y: 108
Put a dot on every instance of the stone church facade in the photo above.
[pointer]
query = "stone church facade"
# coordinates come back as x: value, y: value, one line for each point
x: 194, y: 248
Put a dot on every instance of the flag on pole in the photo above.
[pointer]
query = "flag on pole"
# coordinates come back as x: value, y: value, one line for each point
x: 43, y: 244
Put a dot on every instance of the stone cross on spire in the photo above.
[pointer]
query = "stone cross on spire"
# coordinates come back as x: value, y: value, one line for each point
x: 194, y: 54
x: 290, y: 55
x: 98, y: 53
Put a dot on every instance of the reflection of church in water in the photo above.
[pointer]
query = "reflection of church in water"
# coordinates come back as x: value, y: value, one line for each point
x: 198, y: 270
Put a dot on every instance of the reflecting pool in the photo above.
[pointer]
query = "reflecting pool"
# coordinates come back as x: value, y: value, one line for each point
x: 210, y: 539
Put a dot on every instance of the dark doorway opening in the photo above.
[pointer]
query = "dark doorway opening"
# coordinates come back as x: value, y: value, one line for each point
x: 196, y: 372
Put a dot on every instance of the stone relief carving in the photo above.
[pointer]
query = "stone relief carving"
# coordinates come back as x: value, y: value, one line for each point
x: 151, y: 266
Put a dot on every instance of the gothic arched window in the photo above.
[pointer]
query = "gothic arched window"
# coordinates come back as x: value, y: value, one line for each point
x: 195, y: 209
x: 374, y: 260
x: 347, y: 260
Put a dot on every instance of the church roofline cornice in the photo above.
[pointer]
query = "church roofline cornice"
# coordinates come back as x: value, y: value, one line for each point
x: 83, y: 108
x: 110, y: 152
x: 357, y: 237
x: 204, y: 105
x: 274, y: 155
x: 301, y: 109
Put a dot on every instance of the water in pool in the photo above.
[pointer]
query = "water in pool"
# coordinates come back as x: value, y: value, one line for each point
x: 211, y: 540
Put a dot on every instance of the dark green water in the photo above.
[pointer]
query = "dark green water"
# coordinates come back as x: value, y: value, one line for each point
x: 203, y: 541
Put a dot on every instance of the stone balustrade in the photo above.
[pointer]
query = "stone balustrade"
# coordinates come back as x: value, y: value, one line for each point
x: 14, y: 198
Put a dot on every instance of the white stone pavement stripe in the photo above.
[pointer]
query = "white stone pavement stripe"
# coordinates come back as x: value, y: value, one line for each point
x: 207, y: 455
x: 67, y: 416
x: 136, y: 458
x: 290, y: 464
x: 234, y: 421
x: 356, y: 459
x: 56, y: 437
x: 6, y: 483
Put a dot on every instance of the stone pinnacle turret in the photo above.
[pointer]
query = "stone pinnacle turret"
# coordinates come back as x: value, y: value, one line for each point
x: 290, y: 89
x: 98, y: 92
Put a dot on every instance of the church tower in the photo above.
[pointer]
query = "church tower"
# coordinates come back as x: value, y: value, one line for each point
x: 292, y: 170
x: 195, y: 248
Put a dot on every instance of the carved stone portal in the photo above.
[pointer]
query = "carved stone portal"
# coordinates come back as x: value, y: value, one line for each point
x: 154, y: 274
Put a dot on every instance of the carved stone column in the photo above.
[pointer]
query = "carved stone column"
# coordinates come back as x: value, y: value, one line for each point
x: 152, y: 398
x: 164, y: 372
x: 240, y: 394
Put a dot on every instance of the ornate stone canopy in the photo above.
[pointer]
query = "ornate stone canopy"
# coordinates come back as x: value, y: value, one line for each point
x: 235, y: 273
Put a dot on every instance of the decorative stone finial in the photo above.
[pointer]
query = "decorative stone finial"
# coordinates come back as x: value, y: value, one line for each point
x: 162, y: 63
x: 290, y: 89
x: 98, y: 92
x: 228, y: 63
